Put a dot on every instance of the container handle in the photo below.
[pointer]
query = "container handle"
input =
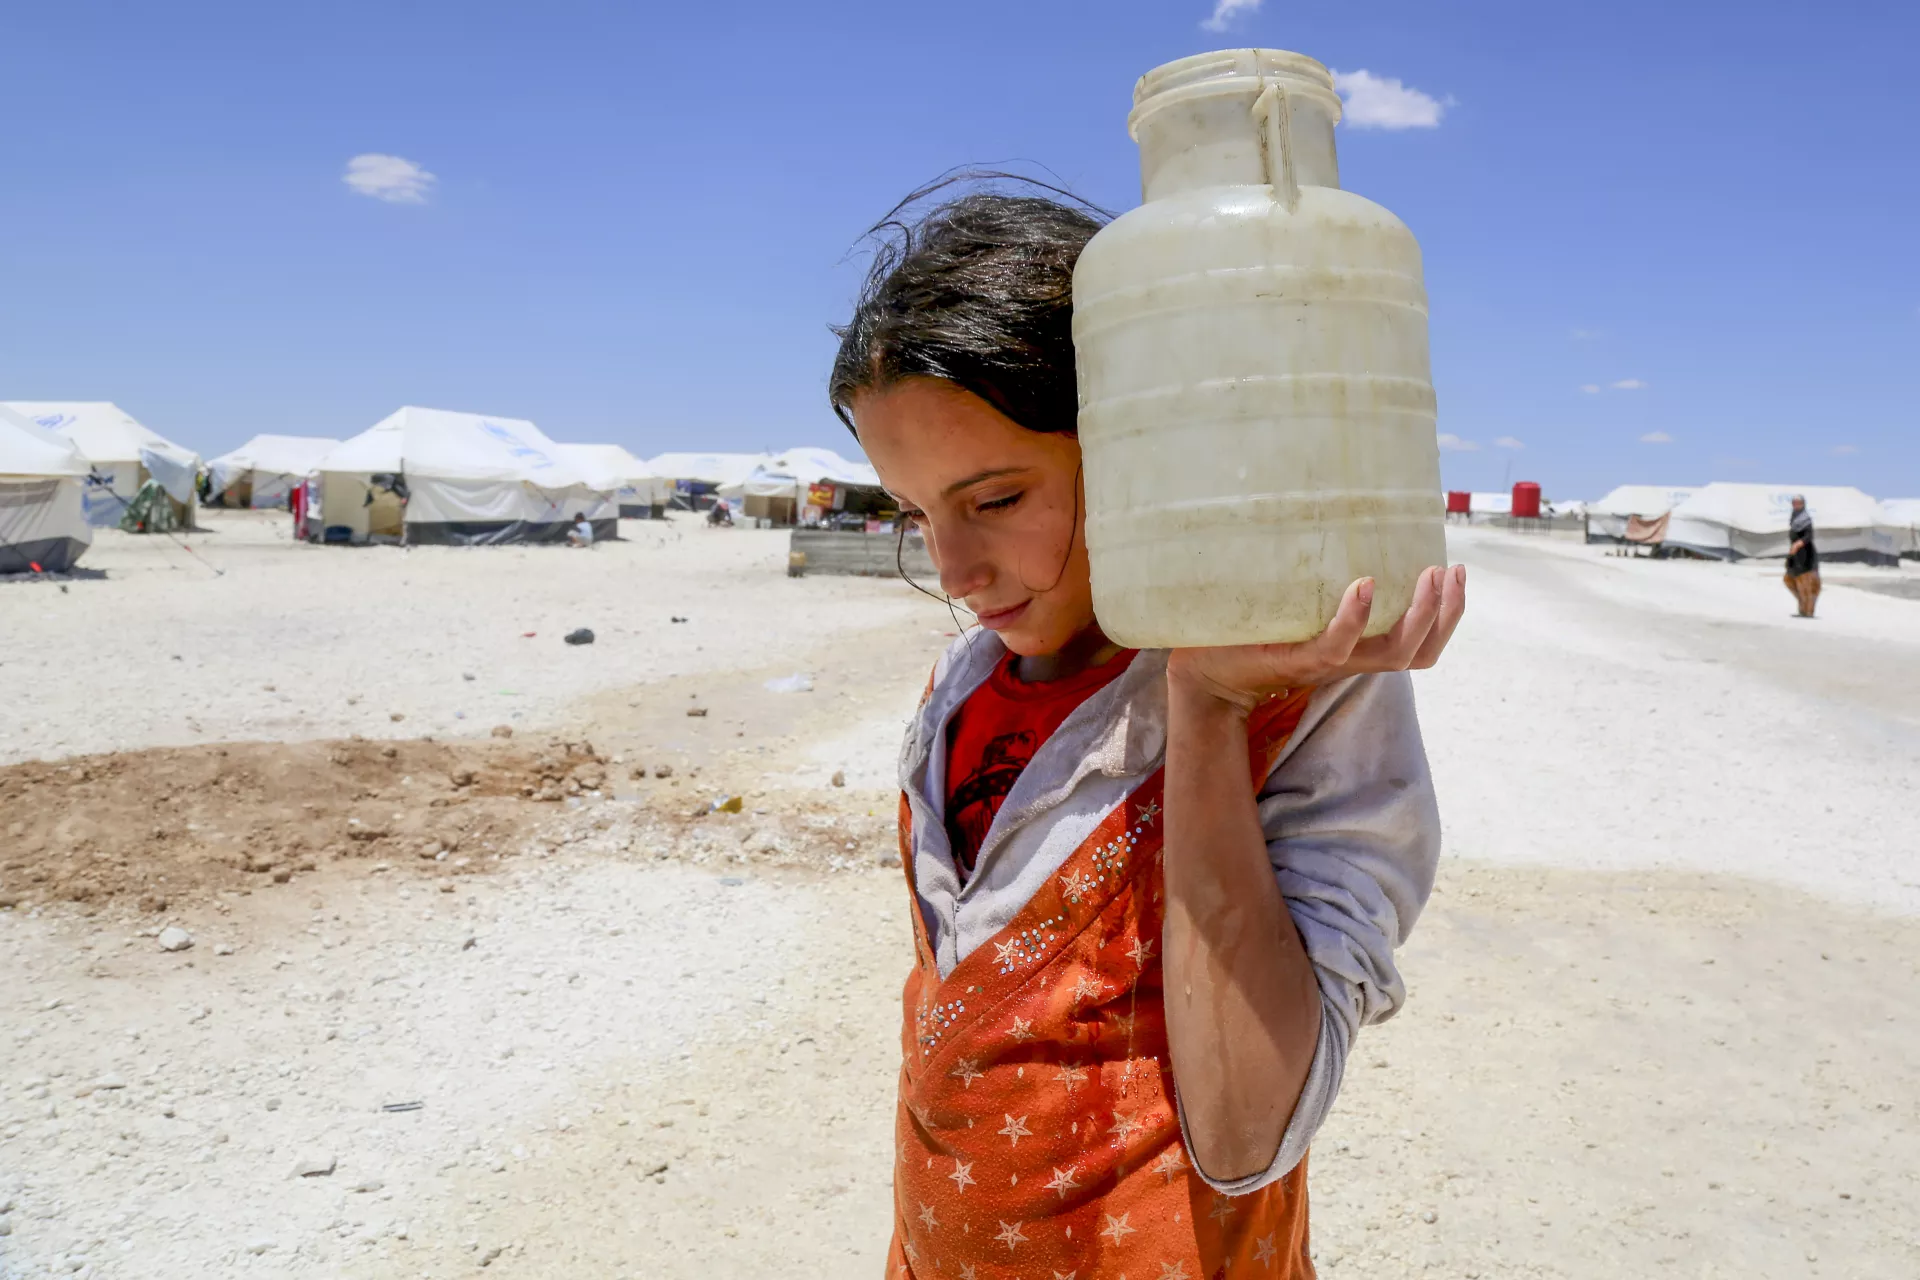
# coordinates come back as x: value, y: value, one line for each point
x: 1273, y: 117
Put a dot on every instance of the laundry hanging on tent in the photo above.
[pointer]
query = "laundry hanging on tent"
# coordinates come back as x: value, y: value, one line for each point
x: 153, y: 510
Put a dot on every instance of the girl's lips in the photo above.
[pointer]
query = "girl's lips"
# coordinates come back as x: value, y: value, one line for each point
x: 1003, y: 618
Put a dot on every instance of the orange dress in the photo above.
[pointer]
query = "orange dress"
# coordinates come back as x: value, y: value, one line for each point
x: 1037, y: 1135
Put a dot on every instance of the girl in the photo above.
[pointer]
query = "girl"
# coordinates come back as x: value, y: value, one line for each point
x: 1155, y: 894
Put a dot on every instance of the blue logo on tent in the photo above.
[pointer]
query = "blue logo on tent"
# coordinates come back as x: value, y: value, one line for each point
x: 519, y: 448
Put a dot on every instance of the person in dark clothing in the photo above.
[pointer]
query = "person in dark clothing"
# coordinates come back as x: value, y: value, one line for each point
x: 1803, y: 562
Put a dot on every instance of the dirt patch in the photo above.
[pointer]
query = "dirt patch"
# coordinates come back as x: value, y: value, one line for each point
x: 160, y: 828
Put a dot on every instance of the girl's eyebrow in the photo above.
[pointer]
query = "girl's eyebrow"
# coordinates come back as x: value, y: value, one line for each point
x: 977, y: 477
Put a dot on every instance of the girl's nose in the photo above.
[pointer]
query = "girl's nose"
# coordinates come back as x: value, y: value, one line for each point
x: 960, y: 559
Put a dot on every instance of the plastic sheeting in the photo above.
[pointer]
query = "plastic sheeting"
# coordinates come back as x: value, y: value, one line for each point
x: 43, y: 522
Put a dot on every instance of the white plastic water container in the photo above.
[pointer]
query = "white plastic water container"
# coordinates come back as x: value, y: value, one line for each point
x: 1256, y: 403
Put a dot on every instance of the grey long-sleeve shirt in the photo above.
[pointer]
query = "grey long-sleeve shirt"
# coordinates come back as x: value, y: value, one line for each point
x: 1352, y: 830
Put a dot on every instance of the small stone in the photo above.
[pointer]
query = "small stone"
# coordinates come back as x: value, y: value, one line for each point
x: 696, y: 711
x: 466, y: 675
x: 259, y: 1246
x: 317, y: 1165
x: 273, y: 1104
x: 223, y: 948
x: 888, y: 858
x: 1429, y: 1217
x: 839, y: 778
x: 6, y: 1225
x: 663, y: 771
x: 396, y: 716
x: 368, y: 1185
x: 729, y: 804
x: 579, y: 635
x: 174, y: 938
x: 486, y: 1259
x: 502, y: 731
x: 109, y: 1081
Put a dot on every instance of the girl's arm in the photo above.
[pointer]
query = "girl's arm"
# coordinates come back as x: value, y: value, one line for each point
x: 1244, y: 1009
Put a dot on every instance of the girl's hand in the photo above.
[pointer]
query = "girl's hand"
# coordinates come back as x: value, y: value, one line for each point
x: 1241, y: 675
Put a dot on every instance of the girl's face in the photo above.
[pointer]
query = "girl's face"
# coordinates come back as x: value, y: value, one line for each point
x: 1000, y: 507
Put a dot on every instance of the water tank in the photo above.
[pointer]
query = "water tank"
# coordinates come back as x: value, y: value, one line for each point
x: 1526, y: 501
x: 1459, y: 502
x: 1256, y: 405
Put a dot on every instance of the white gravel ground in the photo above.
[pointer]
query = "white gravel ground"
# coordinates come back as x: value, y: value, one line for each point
x: 1661, y: 1017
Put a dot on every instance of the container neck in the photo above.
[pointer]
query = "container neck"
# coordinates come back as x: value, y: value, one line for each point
x: 1248, y: 120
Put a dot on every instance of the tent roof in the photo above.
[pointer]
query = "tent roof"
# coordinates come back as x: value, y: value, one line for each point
x: 1492, y: 504
x: 811, y: 465
x: 613, y: 459
x: 104, y: 432
x: 439, y: 444
x: 1645, y: 500
x: 708, y: 468
x: 1768, y: 508
x: 276, y: 455
x: 29, y: 449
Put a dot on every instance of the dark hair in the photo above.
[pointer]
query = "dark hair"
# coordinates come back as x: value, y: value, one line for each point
x: 977, y: 291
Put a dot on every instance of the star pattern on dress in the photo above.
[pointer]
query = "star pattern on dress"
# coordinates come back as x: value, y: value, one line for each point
x: 1022, y: 1029
x: 1123, y: 1129
x: 1011, y: 1235
x: 966, y: 1071
x: 1063, y: 1182
x: 1016, y: 1129
x: 1173, y: 1271
x: 1263, y: 1250
x: 962, y: 1175
x: 967, y: 1272
x: 1118, y: 1228
x: 926, y: 1216
x: 913, y: 1254
x: 1085, y: 988
x: 1222, y: 1208
x: 1148, y: 812
x: 1005, y: 953
x: 1141, y: 951
x: 1066, y: 1275
x: 1071, y: 1075
x: 1077, y: 886
x: 1123, y: 1023
x: 1170, y: 1163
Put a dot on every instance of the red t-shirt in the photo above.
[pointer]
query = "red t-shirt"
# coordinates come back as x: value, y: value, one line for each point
x: 995, y: 733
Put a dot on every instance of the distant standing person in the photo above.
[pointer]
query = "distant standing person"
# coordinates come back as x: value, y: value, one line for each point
x: 581, y: 535
x: 1803, y: 563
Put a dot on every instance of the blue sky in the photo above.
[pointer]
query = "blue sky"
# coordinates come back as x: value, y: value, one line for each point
x: 640, y: 216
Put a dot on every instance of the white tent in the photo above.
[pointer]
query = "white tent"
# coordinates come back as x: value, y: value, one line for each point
x: 823, y: 466
x: 789, y: 474
x: 43, y: 519
x: 121, y: 453
x: 264, y: 470
x: 1737, y: 521
x: 716, y: 469
x: 433, y: 476
x: 640, y: 489
x: 1487, y: 506
x: 1608, y: 517
x: 1899, y: 521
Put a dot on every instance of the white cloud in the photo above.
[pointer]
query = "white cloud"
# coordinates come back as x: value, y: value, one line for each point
x: 1380, y: 102
x: 1508, y: 442
x: 1590, y: 388
x: 388, y: 178
x: 1454, y: 444
x: 1842, y: 450
x: 1628, y: 384
x: 1656, y: 437
x: 1225, y: 11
